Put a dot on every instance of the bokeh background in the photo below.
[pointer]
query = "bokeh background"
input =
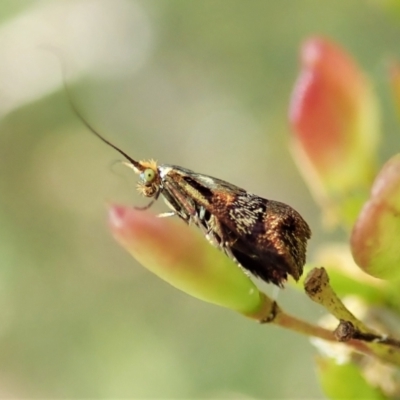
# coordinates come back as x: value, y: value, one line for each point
x: 201, y: 84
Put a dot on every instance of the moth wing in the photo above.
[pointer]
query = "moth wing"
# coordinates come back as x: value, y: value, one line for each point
x: 266, y: 237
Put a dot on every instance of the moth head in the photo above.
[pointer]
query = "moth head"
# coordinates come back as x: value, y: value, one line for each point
x: 149, y: 178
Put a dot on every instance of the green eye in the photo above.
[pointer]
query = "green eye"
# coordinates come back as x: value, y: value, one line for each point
x: 148, y: 175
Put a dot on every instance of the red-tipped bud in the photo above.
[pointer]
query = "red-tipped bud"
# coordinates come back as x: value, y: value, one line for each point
x: 334, y: 117
x: 180, y: 256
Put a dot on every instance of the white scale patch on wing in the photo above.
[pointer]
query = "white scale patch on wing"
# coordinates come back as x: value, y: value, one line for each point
x: 206, y: 180
x: 246, y: 212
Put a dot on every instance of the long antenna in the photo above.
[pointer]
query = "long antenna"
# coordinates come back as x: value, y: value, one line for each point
x: 79, y: 114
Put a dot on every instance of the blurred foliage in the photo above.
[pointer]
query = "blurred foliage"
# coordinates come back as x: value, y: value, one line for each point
x: 356, y: 388
x: 204, y: 85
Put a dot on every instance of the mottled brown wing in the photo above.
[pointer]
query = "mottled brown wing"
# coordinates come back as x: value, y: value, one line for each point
x: 266, y: 237
x: 275, y: 242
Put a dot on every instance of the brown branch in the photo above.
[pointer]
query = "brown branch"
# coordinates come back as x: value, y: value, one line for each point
x: 270, y: 312
x: 347, y: 331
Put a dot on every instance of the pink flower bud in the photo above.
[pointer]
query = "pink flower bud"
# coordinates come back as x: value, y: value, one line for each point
x: 182, y: 257
x: 334, y: 117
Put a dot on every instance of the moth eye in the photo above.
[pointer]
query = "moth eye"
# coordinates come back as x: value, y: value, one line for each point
x: 148, y: 175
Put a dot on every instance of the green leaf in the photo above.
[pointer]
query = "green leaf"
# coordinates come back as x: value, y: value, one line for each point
x: 375, y: 237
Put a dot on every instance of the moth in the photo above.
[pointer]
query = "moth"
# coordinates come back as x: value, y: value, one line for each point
x: 265, y: 237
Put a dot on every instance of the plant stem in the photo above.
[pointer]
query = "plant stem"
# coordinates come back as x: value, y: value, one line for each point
x: 318, y: 288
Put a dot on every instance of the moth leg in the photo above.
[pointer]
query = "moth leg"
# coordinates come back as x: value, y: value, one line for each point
x: 217, y: 236
x: 217, y: 231
x: 166, y: 214
x: 182, y: 205
x: 225, y: 243
x: 202, y: 225
x: 203, y: 222
x: 212, y: 238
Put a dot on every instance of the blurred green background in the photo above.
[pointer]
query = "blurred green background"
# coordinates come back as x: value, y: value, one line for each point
x: 201, y: 84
